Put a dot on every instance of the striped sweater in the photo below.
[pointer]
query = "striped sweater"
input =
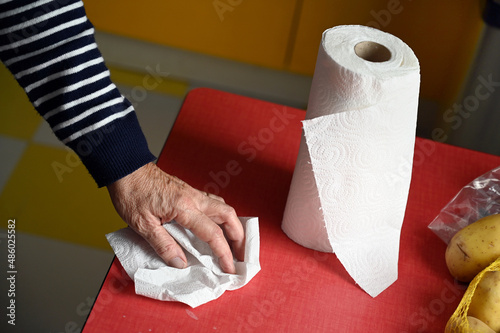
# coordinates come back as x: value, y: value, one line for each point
x: 49, y: 47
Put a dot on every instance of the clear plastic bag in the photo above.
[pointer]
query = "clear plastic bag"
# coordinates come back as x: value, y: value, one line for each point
x: 478, y: 199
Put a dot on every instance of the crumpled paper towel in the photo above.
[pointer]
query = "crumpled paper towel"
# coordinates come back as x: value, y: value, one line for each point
x: 202, y: 281
x: 350, y: 184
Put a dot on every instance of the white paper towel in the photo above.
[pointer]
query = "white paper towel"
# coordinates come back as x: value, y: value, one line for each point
x: 350, y: 185
x: 202, y: 281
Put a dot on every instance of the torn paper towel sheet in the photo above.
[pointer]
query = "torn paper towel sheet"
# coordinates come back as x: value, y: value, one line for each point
x: 202, y: 281
x: 350, y: 185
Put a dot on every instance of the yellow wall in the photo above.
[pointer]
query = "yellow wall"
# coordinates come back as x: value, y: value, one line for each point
x: 285, y: 34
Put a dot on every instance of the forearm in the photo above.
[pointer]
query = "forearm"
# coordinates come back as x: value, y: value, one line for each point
x: 49, y: 47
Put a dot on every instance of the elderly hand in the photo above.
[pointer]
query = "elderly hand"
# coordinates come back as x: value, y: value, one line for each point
x: 149, y: 197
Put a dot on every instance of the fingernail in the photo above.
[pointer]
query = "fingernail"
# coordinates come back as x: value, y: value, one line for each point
x: 230, y: 269
x: 177, y: 263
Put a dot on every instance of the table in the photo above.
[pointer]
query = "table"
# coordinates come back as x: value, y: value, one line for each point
x: 244, y: 150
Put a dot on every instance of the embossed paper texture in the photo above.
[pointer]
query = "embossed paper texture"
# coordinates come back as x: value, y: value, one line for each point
x: 202, y: 281
x: 351, y: 181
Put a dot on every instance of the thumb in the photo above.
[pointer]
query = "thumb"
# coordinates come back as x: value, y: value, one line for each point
x: 166, y: 247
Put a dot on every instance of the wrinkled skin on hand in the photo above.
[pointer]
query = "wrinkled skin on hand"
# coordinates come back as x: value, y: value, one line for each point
x: 149, y: 197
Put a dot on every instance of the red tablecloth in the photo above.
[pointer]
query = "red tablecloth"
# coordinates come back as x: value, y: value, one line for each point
x: 244, y: 150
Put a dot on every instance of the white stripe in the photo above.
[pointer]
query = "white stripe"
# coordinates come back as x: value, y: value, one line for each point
x: 98, y: 125
x: 65, y: 56
x: 71, y: 87
x: 41, y: 18
x: 48, y: 48
x: 70, y: 71
x: 16, y: 11
x: 79, y: 101
x: 87, y: 113
x: 43, y: 34
x: 4, y: 1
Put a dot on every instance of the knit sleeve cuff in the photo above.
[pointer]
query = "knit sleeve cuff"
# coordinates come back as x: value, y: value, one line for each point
x: 113, y: 151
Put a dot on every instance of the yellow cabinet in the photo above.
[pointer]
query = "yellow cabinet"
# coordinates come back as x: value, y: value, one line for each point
x: 252, y: 31
x: 443, y: 34
x: 285, y: 34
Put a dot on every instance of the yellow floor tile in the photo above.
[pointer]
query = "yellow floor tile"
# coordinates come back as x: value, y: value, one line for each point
x: 68, y: 206
x: 18, y: 117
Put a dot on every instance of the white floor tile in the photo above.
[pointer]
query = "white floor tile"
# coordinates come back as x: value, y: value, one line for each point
x: 56, y: 283
x: 44, y: 135
x: 11, y: 150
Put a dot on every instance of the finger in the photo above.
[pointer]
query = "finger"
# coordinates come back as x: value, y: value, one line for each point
x: 225, y: 216
x: 208, y: 231
x: 165, y: 246
x: 239, y: 249
x: 213, y: 196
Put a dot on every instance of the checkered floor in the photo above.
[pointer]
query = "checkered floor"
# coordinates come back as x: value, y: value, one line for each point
x: 60, y: 215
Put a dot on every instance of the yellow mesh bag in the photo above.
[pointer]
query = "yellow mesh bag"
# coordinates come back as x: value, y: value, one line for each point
x: 458, y: 322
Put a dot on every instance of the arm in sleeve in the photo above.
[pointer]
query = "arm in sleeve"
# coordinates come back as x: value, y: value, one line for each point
x: 49, y: 47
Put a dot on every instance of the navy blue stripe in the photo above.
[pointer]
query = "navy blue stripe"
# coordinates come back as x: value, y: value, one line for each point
x: 65, y: 132
x: 109, y: 153
x: 65, y: 81
x: 114, y: 151
x: 54, y: 22
x: 25, y: 16
x: 77, y: 110
x: 21, y: 3
x: 39, y: 12
x: 61, y: 99
x: 56, y: 67
x: 50, y: 54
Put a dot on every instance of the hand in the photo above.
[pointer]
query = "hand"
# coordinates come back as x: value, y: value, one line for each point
x: 149, y: 197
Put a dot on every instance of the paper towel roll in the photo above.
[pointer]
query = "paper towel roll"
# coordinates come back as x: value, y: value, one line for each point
x: 350, y: 185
